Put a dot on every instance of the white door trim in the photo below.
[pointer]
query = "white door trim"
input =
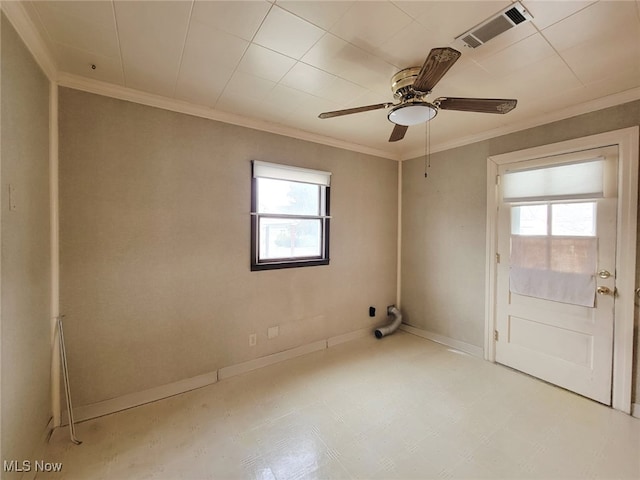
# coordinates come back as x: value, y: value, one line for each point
x: 627, y: 141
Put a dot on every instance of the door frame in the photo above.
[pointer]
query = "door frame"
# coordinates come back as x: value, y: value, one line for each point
x: 627, y: 141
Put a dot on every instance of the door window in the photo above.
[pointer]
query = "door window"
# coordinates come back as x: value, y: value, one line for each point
x: 554, y: 251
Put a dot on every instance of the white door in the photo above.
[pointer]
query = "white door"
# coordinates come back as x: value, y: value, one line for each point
x: 556, y: 274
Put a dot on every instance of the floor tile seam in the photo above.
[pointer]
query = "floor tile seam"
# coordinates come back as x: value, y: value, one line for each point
x: 337, y: 456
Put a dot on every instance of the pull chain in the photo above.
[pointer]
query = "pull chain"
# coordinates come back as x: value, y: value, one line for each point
x: 427, y: 154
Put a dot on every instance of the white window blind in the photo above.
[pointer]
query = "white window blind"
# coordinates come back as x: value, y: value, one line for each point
x: 289, y: 173
x: 563, y: 182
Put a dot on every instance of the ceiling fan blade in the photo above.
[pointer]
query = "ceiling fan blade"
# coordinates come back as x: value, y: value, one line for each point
x: 349, y: 111
x: 398, y: 133
x: 482, y: 105
x: 439, y: 61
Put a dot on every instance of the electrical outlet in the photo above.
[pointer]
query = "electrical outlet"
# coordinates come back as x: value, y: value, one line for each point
x: 273, y: 332
x: 253, y: 339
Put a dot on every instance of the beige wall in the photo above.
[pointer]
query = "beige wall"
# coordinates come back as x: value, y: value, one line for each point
x: 443, y: 226
x: 26, y: 393
x: 155, y: 278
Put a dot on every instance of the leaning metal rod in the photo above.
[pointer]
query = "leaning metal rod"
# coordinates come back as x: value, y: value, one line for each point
x: 67, y: 389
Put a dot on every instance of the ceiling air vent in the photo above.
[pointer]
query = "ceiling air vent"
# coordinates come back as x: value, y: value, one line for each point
x: 494, y: 26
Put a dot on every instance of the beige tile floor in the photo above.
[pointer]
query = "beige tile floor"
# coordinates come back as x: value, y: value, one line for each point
x: 397, y: 408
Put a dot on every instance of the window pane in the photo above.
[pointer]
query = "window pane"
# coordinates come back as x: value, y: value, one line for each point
x: 291, y: 198
x: 574, y: 219
x: 289, y: 238
x: 529, y: 220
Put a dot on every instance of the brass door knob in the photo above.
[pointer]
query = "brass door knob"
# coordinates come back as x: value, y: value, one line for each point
x: 604, y: 291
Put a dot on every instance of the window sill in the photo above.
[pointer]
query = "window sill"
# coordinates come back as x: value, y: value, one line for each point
x: 277, y: 265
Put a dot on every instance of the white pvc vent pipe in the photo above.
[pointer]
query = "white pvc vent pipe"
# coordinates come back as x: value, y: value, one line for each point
x: 393, y: 325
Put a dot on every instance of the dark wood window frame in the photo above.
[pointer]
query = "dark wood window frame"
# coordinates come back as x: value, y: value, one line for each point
x: 289, y: 262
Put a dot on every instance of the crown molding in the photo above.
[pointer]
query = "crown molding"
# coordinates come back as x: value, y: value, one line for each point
x: 21, y: 21
x: 573, y: 111
x: 152, y: 100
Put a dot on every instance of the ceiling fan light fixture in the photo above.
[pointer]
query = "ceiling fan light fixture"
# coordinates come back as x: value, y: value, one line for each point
x: 413, y: 113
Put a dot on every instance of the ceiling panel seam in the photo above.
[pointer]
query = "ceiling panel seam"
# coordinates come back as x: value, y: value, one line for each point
x: 184, y: 45
x: 243, y: 55
x: 115, y: 20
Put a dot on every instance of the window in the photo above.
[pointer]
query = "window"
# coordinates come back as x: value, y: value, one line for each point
x: 560, y: 237
x: 554, y: 252
x: 289, y: 216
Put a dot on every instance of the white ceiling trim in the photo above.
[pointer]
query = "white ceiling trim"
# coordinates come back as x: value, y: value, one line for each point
x: 152, y: 100
x: 17, y: 15
x: 136, y: 96
x: 573, y: 111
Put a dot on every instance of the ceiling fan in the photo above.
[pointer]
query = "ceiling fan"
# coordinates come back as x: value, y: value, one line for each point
x: 412, y: 85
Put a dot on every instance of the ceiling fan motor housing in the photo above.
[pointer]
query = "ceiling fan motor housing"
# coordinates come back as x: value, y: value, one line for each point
x: 402, y: 82
x: 413, y: 109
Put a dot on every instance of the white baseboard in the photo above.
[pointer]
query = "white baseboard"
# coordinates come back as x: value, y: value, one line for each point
x: 124, y: 402
x: 449, y: 342
x: 131, y: 400
x: 635, y: 410
x: 257, y: 363
x: 347, y: 337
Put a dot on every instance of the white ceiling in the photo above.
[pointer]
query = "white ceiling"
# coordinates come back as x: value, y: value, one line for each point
x: 285, y: 61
